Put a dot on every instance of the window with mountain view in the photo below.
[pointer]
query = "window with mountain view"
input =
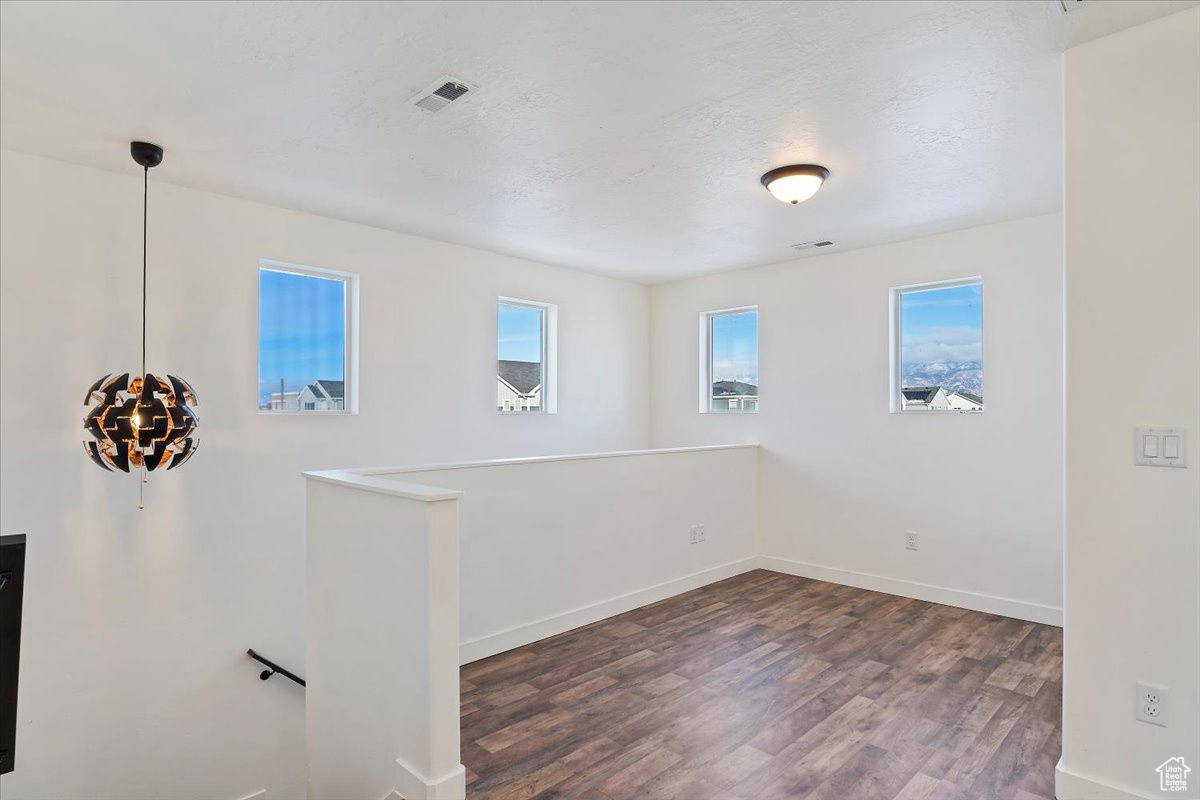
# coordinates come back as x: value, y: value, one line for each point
x: 939, y: 347
x: 303, y: 339
x: 520, y: 356
x: 732, y: 380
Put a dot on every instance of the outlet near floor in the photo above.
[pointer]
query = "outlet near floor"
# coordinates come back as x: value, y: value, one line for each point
x: 696, y: 534
x: 1150, y: 704
x: 910, y: 540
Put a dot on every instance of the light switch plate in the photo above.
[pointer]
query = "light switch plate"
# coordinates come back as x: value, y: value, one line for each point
x: 1153, y: 444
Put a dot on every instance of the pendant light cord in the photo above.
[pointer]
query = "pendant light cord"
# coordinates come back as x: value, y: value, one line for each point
x: 145, y: 224
x: 145, y: 219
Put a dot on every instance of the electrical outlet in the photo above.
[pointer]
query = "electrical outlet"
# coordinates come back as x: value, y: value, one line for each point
x: 910, y: 540
x: 1150, y: 704
x: 700, y: 533
x: 692, y: 533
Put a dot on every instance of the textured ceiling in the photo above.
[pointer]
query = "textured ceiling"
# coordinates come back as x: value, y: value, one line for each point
x: 620, y: 138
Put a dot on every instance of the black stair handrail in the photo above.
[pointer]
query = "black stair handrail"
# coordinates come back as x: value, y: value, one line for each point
x: 273, y: 668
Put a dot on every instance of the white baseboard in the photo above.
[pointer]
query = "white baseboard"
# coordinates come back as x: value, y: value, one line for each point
x: 1003, y: 606
x: 411, y: 785
x: 560, y: 623
x: 1071, y: 786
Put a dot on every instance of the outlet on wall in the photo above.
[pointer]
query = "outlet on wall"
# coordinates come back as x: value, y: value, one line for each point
x: 1150, y: 704
x: 696, y: 534
x: 910, y: 540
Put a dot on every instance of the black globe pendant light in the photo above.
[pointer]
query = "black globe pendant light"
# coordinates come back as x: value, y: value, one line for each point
x: 144, y: 422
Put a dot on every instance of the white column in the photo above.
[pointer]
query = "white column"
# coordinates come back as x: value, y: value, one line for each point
x: 382, y: 702
x: 1132, y: 281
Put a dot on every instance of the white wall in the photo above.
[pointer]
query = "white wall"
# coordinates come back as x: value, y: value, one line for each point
x: 1133, y: 358
x: 841, y: 478
x: 550, y: 545
x: 134, y: 681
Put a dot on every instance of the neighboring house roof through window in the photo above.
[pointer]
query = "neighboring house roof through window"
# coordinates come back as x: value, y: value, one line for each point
x: 734, y: 388
x: 333, y: 390
x: 920, y: 394
x: 523, y: 376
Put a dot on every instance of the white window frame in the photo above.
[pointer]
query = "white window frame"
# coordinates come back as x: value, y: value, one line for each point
x: 895, y: 382
x: 548, y: 402
x: 349, y: 358
x: 705, y: 337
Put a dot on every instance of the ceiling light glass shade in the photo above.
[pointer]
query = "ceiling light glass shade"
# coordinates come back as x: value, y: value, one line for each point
x: 796, y: 183
x: 143, y: 423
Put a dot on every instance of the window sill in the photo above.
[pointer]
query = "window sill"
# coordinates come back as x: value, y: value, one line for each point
x: 935, y: 411
x: 263, y: 412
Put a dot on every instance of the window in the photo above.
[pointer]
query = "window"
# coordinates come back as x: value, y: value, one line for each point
x: 729, y: 360
x: 937, y: 347
x: 525, y: 356
x: 306, y: 339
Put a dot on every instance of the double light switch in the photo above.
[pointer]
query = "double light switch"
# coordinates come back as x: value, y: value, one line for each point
x: 1160, y: 447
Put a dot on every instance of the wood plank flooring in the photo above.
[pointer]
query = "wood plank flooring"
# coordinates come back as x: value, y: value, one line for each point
x: 770, y: 686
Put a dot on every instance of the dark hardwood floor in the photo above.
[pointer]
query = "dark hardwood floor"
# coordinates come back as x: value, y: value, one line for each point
x: 770, y: 686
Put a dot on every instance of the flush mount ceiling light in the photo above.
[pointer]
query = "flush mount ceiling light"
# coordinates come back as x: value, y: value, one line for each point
x: 143, y: 422
x: 796, y: 183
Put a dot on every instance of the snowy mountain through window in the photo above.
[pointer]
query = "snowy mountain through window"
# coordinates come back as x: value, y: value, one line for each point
x: 941, y: 348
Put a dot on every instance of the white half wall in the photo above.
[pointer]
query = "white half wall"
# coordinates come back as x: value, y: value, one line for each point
x: 841, y: 478
x: 382, y: 702
x: 550, y: 544
x: 134, y: 678
x: 1133, y: 358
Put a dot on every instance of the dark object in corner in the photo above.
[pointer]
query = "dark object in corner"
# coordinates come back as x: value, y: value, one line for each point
x: 12, y: 587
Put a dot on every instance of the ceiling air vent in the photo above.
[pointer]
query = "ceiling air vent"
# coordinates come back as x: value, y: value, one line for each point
x: 812, y: 245
x: 442, y: 92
